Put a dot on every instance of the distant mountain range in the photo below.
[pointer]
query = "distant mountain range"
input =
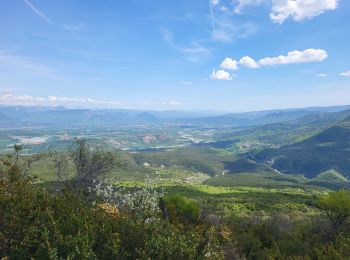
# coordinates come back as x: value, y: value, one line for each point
x: 22, y: 116
x: 267, y: 117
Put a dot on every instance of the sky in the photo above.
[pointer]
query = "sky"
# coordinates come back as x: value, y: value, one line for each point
x: 224, y: 55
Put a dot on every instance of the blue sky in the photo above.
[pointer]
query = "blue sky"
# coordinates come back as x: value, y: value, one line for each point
x: 165, y: 54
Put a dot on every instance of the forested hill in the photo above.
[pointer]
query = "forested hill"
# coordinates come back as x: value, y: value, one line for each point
x: 328, y: 150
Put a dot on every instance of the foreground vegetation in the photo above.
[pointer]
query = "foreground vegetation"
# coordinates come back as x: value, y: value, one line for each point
x: 90, y: 217
x: 70, y: 224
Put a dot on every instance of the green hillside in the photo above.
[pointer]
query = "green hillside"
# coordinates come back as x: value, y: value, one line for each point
x: 328, y: 150
x: 331, y: 176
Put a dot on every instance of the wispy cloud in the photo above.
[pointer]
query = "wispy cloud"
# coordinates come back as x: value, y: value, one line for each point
x: 345, y: 74
x: 194, y: 52
x: 211, y: 4
x: 170, y: 103
x: 74, y: 27
x: 229, y: 30
x: 27, y: 65
x: 322, y: 75
x: 39, y: 13
x: 240, y: 4
x: 68, y: 27
x: 225, y: 26
x: 7, y: 98
x: 183, y: 82
x: 168, y: 36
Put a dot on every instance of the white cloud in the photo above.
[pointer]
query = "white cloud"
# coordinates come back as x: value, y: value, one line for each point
x: 308, y: 55
x: 224, y: 9
x: 299, y: 10
x: 173, y: 103
x: 8, y: 98
x: 322, y: 75
x: 220, y: 75
x: 229, y: 64
x: 345, y: 74
x: 243, y: 3
x: 248, y: 62
x: 165, y: 103
x: 214, y: 2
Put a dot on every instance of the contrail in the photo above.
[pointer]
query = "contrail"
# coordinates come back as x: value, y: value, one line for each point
x: 212, y: 19
x: 40, y: 14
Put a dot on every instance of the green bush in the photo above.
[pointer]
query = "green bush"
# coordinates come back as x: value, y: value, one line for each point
x: 336, y: 205
x: 181, y: 209
x: 37, y: 224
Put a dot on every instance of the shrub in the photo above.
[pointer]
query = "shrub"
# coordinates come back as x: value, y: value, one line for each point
x: 340, y: 249
x: 141, y: 202
x: 93, y: 162
x: 182, y: 210
x: 337, y: 208
x: 37, y: 224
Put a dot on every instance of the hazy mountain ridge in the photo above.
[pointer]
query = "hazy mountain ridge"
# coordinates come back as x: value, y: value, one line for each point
x: 17, y: 116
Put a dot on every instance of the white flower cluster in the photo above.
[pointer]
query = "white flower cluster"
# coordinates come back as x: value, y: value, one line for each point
x: 141, y: 202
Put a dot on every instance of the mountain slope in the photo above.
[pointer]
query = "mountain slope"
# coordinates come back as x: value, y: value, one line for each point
x: 259, y: 118
x: 246, y: 119
x: 328, y: 150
